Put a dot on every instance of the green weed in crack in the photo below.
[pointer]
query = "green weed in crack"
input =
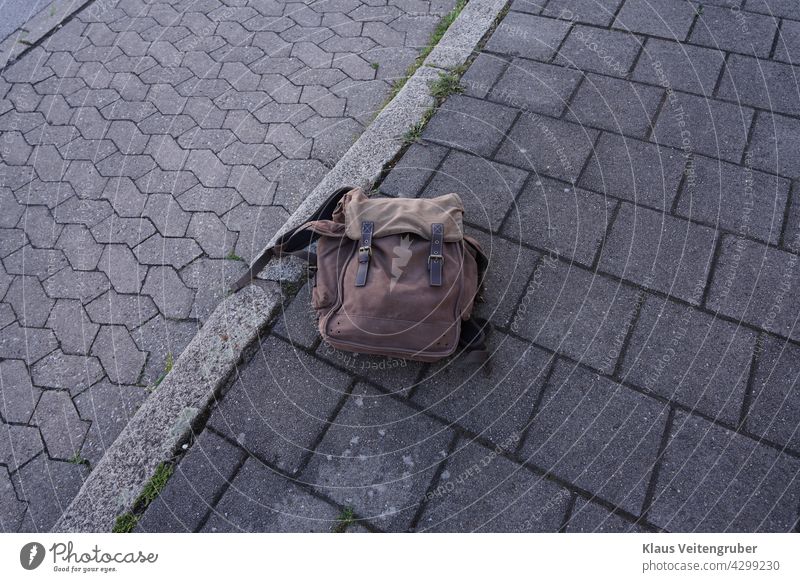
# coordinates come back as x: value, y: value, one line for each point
x: 126, y: 522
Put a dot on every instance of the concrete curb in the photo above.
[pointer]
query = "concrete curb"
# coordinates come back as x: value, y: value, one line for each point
x: 165, y: 419
x: 48, y: 19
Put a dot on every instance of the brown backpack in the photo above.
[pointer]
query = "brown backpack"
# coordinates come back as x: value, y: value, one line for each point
x: 391, y: 276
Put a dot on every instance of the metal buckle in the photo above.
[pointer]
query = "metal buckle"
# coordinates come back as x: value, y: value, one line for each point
x: 367, y: 250
x: 435, y: 258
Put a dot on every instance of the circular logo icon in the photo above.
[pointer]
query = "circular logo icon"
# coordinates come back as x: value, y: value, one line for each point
x: 31, y: 555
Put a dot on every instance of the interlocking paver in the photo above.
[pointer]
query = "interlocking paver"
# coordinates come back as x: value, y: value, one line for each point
x: 761, y: 83
x: 659, y: 252
x: 588, y: 517
x: 170, y: 294
x: 378, y: 457
x: 668, y: 18
x: 597, y: 434
x: 775, y: 145
x: 67, y: 372
x: 203, y: 474
x: 116, y: 309
x: 690, y: 357
x: 163, y: 339
x: 11, y: 508
x: 18, y: 445
x: 712, y: 479
x: 609, y: 52
x: 525, y: 35
x: 19, y: 395
x: 269, y: 420
x: 734, y: 30
x: 481, y: 491
x: 536, y: 86
x: 62, y: 430
x: 118, y: 353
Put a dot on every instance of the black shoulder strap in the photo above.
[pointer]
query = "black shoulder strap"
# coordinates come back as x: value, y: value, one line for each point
x: 473, y: 351
x: 293, y: 240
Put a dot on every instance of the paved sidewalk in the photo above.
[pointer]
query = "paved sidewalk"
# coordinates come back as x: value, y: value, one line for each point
x: 148, y: 149
x: 633, y: 176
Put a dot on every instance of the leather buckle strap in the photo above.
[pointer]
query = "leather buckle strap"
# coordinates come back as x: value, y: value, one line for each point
x: 364, y: 253
x: 436, y: 258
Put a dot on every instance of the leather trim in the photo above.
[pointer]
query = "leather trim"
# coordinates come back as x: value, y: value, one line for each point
x: 436, y: 257
x: 364, y: 252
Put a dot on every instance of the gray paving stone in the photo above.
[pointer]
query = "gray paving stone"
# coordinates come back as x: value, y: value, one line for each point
x: 659, y: 252
x: 261, y: 500
x: 487, y: 189
x: 548, y: 146
x: 712, y: 479
x: 714, y: 128
x: 484, y: 71
x: 761, y: 83
x: 199, y: 478
x: 66, y: 372
x: 588, y: 517
x: 19, y: 395
x: 576, y: 313
x: 77, y: 211
x: 211, y: 279
x: 690, y: 357
x: 80, y: 248
x: 589, y: 11
x: 115, y: 309
x: 170, y: 294
x: 62, y: 429
x: 615, y: 105
x: 734, y: 198
x: 206, y: 166
x: 775, y: 145
x: 469, y: 124
x: 252, y: 185
x: 785, y: 8
x: 254, y: 225
x: 121, y: 359
x: 12, y: 211
x: 775, y: 403
x: 280, y: 426
x: 167, y: 215
x: 788, y: 45
x: 378, y: 458
x: 40, y: 227
x: 529, y: 36
x: 560, y: 218
x: 11, y: 508
x: 52, y: 494
x: 176, y: 252
x: 597, y: 434
x: 510, y: 268
x: 495, y: 401
x: 609, y: 52
x: 30, y: 303
x: 35, y: 262
x: 26, y: 343
x: 535, y: 86
x: 18, y: 445
x: 735, y: 30
x: 71, y: 284
x: 753, y: 283
x: 411, y: 173
x: 122, y: 268
x: 15, y: 150
x: 669, y: 18
x: 480, y: 491
x: 298, y: 322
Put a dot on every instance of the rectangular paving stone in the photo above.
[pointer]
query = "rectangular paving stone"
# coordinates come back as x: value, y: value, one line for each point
x: 495, y: 401
x: 261, y: 500
x: 704, y: 126
x: 589, y: 11
x: 482, y: 74
x: 775, y: 402
x: 487, y: 189
x: 510, y: 267
x: 682, y: 67
x: 469, y: 124
x: 609, y: 52
x: 193, y: 487
x: 788, y: 47
x: 785, y: 8
x: 577, y: 313
x: 279, y: 404
x: 734, y: 198
x: 735, y: 30
x: 668, y: 18
x: 597, y: 434
x: 412, y: 172
x: 378, y: 458
x: 525, y: 35
x: 712, y: 479
x: 588, y: 517
x: 480, y: 491
x: 756, y: 284
x: 775, y: 145
x: 297, y: 322
x: 641, y: 172
x: 690, y: 357
x: 535, y: 87
x: 615, y: 105
x: 658, y: 251
x: 549, y: 146
x: 761, y: 83
x: 561, y: 218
